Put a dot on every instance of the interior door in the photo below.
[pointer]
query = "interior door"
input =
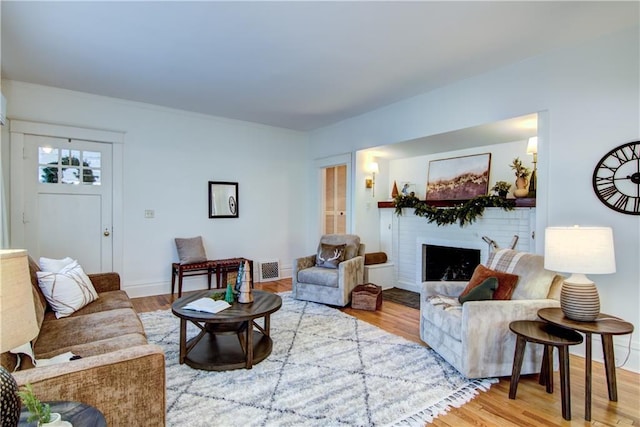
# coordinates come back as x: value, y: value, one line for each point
x: 68, y: 200
x: 335, y: 200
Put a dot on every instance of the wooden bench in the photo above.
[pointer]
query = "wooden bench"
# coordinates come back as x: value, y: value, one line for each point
x: 188, y: 270
x: 221, y: 267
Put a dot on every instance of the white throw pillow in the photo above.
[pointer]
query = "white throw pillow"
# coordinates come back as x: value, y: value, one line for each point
x: 54, y: 265
x: 68, y: 290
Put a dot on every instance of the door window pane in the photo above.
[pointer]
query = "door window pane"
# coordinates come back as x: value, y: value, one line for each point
x: 47, y: 155
x: 48, y: 174
x: 70, y: 175
x: 52, y: 160
x: 91, y: 176
x: 91, y: 159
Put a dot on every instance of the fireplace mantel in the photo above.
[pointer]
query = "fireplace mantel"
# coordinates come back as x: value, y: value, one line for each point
x: 524, y: 202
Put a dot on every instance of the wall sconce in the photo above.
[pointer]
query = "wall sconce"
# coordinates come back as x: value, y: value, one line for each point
x: 532, y: 148
x: 371, y: 182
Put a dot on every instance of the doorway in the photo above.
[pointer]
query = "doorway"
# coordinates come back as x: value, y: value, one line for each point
x: 335, y: 199
x: 62, y: 194
x: 334, y: 194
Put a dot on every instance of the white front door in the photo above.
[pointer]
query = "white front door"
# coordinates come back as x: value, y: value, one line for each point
x: 68, y: 200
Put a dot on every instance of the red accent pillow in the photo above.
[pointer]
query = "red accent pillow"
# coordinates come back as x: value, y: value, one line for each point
x: 506, y: 282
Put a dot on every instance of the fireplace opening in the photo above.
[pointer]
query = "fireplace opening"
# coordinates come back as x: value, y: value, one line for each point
x: 444, y: 263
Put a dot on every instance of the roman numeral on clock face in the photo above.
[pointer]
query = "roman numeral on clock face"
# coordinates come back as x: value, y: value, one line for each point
x: 604, y: 180
x: 608, y: 192
x: 621, y: 203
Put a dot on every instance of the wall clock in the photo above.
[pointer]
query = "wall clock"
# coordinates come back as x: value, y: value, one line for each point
x: 616, y: 179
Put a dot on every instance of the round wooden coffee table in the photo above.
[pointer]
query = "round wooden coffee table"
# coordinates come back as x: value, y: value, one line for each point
x: 227, y: 339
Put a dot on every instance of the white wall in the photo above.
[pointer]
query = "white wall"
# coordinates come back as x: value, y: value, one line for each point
x: 169, y: 156
x: 589, y: 97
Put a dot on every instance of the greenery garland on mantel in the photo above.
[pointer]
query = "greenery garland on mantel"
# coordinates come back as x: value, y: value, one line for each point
x: 463, y: 213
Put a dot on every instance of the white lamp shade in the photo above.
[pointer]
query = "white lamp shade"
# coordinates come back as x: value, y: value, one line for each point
x: 585, y: 250
x: 373, y: 167
x: 18, y: 323
x: 532, y: 145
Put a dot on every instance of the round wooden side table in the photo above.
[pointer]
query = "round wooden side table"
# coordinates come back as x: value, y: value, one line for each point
x: 550, y: 336
x: 605, y: 325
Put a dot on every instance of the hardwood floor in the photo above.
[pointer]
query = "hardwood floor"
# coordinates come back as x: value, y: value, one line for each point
x: 532, y: 407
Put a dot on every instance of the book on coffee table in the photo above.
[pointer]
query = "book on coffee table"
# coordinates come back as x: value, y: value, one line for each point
x: 207, y: 305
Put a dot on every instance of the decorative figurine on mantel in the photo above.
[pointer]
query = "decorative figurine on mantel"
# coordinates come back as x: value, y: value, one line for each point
x: 394, y: 190
x: 244, y: 275
x: 522, y: 174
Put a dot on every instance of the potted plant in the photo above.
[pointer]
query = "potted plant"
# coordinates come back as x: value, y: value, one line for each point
x: 522, y: 173
x: 40, y: 412
x: 501, y: 188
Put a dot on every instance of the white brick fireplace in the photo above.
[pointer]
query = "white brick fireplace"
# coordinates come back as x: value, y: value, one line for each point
x: 410, y: 233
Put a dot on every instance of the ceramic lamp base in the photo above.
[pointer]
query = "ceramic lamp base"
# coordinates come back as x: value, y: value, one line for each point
x: 580, y: 301
x: 9, y: 401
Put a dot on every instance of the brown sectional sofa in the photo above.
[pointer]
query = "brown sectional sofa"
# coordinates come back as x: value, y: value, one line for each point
x: 118, y: 372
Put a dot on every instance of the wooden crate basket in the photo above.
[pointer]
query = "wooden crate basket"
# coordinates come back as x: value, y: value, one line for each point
x: 366, y: 297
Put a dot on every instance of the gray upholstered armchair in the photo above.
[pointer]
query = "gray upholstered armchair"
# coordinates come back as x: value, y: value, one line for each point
x: 474, y: 337
x: 331, y: 286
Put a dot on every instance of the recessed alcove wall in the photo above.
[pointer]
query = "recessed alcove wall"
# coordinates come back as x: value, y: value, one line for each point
x: 408, y: 161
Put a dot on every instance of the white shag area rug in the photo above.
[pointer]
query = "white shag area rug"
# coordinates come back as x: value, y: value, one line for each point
x: 327, y: 368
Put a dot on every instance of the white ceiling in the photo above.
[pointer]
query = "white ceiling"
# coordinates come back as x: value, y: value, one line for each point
x: 298, y: 65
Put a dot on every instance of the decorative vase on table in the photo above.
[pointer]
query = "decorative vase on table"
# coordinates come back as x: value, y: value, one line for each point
x: 56, y: 421
x: 522, y: 187
x: 245, y: 296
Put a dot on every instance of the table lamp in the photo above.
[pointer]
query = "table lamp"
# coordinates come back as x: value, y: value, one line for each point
x: 579, y: 251
x: 18, y: 324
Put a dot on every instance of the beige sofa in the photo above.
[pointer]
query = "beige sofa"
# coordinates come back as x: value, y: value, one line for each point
x: 118, y: 372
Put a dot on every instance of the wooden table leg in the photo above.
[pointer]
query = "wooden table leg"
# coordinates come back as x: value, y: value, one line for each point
x: 517, y: 366
x: 249, y: 341
x: 546, y: 370
x: 173, y: 279
x: 183, y: 341
x: 565, y: 386
x: 610, y: 366
x: 587, y: 377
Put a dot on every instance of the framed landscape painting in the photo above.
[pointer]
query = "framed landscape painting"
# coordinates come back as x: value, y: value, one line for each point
x: 458, y: 178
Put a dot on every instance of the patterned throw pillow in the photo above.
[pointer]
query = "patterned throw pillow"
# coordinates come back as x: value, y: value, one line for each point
x: 68, y: 290
x: 54, y: 265
x: 506, y: 282
x: 329, y: 256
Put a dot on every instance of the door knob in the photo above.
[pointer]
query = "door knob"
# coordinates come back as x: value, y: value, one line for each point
x: 106, y: 232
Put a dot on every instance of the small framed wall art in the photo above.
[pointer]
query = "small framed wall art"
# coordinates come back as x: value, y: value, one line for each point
x: 458, y: 178
x: 223, y: 199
